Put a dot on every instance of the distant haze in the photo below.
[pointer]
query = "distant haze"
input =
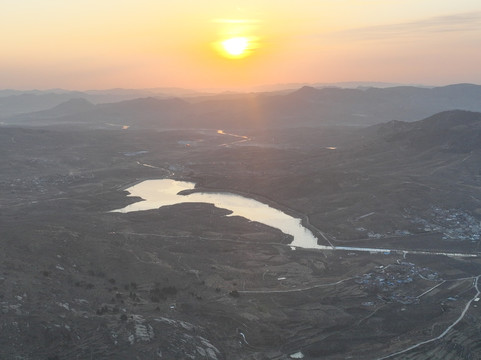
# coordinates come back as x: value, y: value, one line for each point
x: 148, y: 44
x: 307, y: 106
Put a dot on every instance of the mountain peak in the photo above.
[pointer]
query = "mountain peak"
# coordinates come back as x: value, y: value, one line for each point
x: 306, y: 90
x: 75, y: 104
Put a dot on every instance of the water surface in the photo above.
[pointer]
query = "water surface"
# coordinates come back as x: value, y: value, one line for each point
x: 158, y: 193
x: 164, y: 192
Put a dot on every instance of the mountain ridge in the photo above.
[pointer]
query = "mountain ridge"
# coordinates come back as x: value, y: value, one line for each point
x: 307, y: 106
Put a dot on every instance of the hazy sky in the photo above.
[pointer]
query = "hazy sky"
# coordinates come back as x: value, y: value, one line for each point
x: 97, y: 44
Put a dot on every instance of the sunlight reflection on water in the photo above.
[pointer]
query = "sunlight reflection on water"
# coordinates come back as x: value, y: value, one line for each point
x: 164, y: 192
x: 158, y: 193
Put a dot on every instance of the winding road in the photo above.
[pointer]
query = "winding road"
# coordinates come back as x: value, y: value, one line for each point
x: 443, y: 334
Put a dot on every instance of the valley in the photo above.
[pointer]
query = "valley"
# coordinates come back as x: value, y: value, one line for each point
x: 185, y: 281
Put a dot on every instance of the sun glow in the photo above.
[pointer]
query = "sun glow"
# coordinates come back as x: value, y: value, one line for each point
x: 235, y: 46
x: 235, y: 38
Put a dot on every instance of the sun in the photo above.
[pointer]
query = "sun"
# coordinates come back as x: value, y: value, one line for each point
x: 235, y: 46
x: 236, y: 38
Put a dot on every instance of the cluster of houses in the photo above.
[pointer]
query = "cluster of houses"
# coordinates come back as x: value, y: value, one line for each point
x: 454, y: 224
x: 387, y: 280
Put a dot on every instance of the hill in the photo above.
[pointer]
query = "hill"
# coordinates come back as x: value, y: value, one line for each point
x: 307, y: 106
x: 453, y: 131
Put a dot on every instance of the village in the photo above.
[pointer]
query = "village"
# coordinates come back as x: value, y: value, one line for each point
x: 386, y: 281
x: 455, y: 224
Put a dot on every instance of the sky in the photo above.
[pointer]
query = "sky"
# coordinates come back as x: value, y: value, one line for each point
x: 92, y: 44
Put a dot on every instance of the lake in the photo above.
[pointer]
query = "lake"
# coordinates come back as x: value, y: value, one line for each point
x: 164, y: 192
x: 158, y: 193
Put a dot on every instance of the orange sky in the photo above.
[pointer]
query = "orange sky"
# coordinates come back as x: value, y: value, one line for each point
x: 151, y: 43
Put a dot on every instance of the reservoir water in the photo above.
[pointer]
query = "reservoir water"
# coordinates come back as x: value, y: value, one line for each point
x: 164, y: 192
x: 158, y: 193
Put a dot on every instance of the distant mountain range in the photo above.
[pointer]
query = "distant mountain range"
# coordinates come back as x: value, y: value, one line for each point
x: 307, y: 106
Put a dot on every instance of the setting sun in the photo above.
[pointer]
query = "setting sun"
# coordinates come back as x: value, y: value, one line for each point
x: 235, y: 46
